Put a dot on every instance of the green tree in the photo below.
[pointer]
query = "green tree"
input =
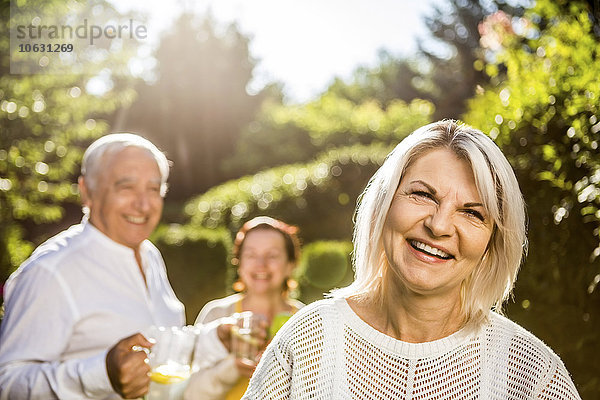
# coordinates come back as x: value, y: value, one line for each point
x: 392, y: 79
x: 542, y: 109
x: 45, y: 123
x: 444, y: 72
x: 453, y: 79
x: 199, y: 105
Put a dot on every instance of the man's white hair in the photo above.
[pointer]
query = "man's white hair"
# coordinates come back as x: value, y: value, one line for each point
x: 93, y: 158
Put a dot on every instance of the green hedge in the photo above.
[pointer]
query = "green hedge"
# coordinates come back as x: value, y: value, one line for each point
x: 324, y: 265
x: 196, y: 262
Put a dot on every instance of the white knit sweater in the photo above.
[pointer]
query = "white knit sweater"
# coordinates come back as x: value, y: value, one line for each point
x: 327, y: 352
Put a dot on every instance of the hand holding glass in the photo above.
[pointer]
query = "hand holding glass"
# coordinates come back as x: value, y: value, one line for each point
x: 247, y: 336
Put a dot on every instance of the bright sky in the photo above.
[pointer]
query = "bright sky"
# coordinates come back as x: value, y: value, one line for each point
x: 306, y: 43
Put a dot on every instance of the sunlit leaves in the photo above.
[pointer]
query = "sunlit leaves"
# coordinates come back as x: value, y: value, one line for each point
x: 334, y: 120
x: 287, y: 134
x: 45, y: 122
x: 549, y: 98
x: 542, y: 109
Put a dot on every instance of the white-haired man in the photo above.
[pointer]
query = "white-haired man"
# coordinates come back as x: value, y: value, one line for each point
x: 75, y: 309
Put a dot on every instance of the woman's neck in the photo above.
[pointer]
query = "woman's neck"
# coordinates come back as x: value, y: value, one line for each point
x: 267, y: 304
x: 426, y: 319
x: 411, y: 317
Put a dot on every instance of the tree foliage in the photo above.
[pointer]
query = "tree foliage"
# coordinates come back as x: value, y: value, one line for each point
x: 541, y: 107
x: 45, y: 123
x: 447, y: 69
x: 392, y: 79
x: 453, y: 79
x: 199, y: 105
x: 287, y: 134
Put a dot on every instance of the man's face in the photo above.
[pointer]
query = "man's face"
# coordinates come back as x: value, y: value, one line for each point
x: 126, y: 205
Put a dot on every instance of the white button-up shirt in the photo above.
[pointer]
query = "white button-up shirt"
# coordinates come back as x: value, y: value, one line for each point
x: 72, y: 300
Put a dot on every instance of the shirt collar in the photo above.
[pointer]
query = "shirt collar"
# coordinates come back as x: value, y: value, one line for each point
x: 99, y: 236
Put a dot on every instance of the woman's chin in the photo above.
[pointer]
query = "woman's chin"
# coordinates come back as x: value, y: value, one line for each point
x: 261, y: 288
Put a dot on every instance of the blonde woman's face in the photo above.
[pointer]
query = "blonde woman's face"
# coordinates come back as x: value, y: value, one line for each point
x: 264, y: 264
x: 436, y: 230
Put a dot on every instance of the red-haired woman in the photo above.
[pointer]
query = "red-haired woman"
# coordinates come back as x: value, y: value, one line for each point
x: 265, y: 252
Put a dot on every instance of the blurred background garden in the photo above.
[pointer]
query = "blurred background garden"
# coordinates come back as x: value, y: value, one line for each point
x: 525, y: 72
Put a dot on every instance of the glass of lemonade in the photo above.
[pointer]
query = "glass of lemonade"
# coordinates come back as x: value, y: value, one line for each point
x: 170, y: 360
x: 244, y: 342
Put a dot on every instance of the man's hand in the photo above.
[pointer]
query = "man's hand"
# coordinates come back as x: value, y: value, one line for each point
x: 128, y: 367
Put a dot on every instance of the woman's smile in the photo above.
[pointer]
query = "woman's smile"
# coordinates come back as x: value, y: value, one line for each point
x: 429, y: 250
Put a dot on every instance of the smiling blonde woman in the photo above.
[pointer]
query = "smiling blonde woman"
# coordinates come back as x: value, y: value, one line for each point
x: 438, y: 241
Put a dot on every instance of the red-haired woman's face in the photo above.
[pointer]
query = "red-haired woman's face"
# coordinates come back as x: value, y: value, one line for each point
x: 264, y: 264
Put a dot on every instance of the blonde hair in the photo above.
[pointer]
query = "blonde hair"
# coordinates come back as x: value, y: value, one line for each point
x: 491, y: 282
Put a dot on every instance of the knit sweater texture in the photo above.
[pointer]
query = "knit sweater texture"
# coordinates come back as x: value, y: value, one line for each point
x: 326, y: 351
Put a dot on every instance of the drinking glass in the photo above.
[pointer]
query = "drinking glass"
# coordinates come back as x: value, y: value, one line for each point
x: 244, y: 336
x: 170, y: 359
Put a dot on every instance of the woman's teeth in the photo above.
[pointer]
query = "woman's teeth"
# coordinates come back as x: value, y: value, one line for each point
x: 430, y: 250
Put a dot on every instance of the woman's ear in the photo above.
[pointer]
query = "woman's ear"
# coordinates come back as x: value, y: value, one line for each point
x: 290, y: 268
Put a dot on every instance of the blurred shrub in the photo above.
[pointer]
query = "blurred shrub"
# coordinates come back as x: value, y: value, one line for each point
x: 324, y: 265
x: 288, y: 134
x: 318, y: 196
x: 196, y: 260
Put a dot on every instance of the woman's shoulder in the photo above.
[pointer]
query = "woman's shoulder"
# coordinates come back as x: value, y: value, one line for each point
x: 519, y: 342
x: 295, y: 304
x: 218, y: 308
x: 526, y: 361
x: 315, y: 307
x: 501, y: 325
x: 314, y: 314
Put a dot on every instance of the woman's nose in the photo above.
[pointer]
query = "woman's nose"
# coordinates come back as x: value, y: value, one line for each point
x: 439, y: 222
x: 258, y: 259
